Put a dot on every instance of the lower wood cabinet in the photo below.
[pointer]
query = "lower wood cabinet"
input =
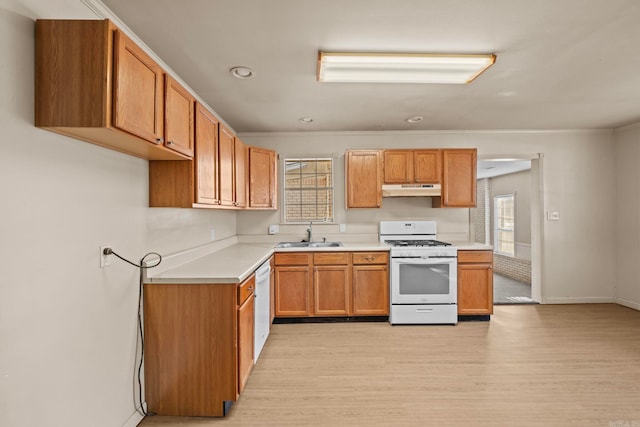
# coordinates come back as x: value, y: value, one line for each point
x: 326, y: 284
x: 293, y: 280
x: 246, y: 321
x: 331, y: 284
x: 475, y: 282
x: 198, y: 346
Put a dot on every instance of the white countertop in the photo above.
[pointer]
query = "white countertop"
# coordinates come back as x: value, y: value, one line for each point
x: 236, y: 262
x: 467, y: 246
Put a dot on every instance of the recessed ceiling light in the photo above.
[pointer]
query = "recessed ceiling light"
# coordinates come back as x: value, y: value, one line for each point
x: 305, y: 120
x: 415, y: 119
x: 242, y: 72
x: 390, y: 67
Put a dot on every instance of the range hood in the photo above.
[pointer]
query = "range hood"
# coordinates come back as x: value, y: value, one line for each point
x: 411, y: 190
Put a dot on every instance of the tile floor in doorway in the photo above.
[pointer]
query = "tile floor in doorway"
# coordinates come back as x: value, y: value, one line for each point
x: 509, y: 291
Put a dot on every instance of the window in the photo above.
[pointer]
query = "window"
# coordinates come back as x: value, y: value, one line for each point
x: 504, y: 221
x: 308, y: 190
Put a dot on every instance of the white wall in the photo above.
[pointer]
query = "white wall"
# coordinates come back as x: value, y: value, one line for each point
x: 578, y: 166
x: 518, y: 183
x: 627, y: 215
x: 67, y: 327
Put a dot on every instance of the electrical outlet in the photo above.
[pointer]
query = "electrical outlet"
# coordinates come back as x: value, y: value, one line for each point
x: 105, y: 260
x: 213, y: 234
x: 553, y: 216
x: 274, y: 228
x: 343, y: 228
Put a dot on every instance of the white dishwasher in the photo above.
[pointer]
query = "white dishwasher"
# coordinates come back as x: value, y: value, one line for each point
x: 262, y: 308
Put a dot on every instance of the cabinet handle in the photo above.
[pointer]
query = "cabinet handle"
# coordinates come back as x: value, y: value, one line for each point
x: 159, y: 140
x: 369, y: 258
x: 250, y: 288
x: 170, y: 143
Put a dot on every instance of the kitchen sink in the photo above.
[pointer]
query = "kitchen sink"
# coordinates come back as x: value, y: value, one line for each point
x: 309, y: 245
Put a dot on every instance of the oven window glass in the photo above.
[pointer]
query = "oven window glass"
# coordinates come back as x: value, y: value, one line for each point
x: 417, y: 279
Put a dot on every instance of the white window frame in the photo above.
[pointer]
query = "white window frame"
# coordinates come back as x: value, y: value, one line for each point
x: 284, y: 218
x: 496, y: 245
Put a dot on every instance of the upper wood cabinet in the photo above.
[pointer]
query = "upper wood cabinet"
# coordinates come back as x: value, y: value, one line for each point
x: 458, y: 178
x: 93, y: 83
x: 179, y: 107
x: 138, y: 91
x: 206, y: 157
x: 398, y: 166
x: 427, y: 166
x: 187, y: 184
x: 226, y: 159
x: 412, y: 166
x: 363, y: 171
x: 241, y: 183
x: 262, y: 178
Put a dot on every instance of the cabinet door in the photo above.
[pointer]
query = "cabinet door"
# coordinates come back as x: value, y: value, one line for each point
x: 332, y: 290
x: 364, y: 179
x: 475, y: 289
x: 138, y: 91
x: 240, y: 173
x: 398, y: 166
x: 226, y: 163
x: 427, y: 166
x: 370, y: 290
x: 245, y: 341
x: 178, y: 117
x: 262, y: 178
x: 459, y: 178
x: 206, y: 157
x: 292, y: 291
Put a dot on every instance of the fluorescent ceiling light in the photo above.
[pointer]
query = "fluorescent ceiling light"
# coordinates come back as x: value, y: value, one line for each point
x: 401, y: 68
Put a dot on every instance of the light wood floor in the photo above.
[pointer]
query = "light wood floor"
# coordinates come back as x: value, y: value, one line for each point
x: 531, y: 365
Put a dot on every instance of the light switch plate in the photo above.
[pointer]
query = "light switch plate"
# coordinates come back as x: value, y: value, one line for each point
x: 553, y: 216
x: 274, y: 228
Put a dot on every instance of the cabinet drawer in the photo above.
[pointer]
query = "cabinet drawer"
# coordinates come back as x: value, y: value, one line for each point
x: 475, y: 256
x: 370, y: 258
x: 331, y: 258
x: 245, y: 289
x: 293, y: 258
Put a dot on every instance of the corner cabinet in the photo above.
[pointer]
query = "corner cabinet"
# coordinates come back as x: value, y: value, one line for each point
x: 475, y: 282
x: 363, y: 172
x: 94, y: 84
x: 198, y: 346
x: 458, y: 179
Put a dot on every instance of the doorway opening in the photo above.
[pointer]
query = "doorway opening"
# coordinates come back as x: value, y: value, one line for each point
x: 508, y: 199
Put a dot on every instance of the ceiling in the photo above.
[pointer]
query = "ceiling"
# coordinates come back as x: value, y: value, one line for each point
x: 493, y: 168
x: 569, y: 64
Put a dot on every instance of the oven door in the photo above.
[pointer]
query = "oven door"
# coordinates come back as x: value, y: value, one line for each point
x: 424, y: 280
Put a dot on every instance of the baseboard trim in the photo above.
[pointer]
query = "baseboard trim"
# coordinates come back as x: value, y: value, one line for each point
x: 628, y: 303
x: 134, y: 419
x: 579, y: 300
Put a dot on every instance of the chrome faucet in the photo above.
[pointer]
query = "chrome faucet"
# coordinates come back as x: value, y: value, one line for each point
x: 309, y: 231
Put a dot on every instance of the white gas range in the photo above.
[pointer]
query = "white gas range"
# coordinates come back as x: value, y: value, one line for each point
x: 424, y: 274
